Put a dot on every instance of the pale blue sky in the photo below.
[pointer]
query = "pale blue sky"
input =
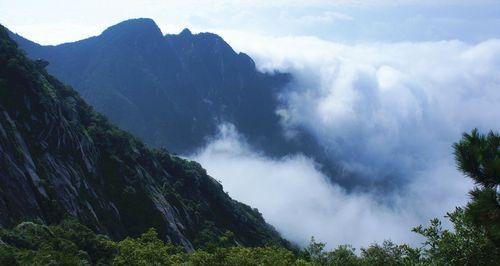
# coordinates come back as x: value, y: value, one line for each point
x: 56, y: 21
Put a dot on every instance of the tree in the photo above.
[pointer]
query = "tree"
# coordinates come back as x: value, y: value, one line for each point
x: 467, y: 244
x: 478, y: 157
x: 147, y: 249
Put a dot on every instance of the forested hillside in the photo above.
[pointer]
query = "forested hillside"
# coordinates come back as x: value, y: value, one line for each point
x: 473, y: 240
x: 59, y: 159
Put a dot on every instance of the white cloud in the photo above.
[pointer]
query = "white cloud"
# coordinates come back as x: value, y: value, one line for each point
x: 299, y: 201
x: 384, y: 107
x: 388, y: 111
x: 326, y: 17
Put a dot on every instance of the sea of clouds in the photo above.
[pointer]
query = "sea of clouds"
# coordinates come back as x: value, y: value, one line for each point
x: 386, y: 111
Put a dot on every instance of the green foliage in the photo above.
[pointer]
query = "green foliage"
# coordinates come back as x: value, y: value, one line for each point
x: 484, y: 212
x: 241, y: 256
x: 145, y: 250
x: 342, y: 255
x: 465, y: 245
x: 390, y: 254
x: 69, y: 243
x: 7, y: 255
x: 386, y: 254
x: 478, y: 156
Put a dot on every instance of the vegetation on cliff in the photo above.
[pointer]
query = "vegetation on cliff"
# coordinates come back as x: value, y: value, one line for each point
x: 59, y: 158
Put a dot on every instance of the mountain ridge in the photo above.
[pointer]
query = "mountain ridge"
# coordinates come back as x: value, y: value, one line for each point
x: 184, y: 73
x: 175, y: 90
x: 59, y: 158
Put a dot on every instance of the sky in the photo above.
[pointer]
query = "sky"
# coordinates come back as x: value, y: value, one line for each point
x: 387, y: 86
x: 56, y: 21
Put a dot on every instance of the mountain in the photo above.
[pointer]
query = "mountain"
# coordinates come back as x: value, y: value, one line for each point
x: 59, y: 158
x: 171, y: 91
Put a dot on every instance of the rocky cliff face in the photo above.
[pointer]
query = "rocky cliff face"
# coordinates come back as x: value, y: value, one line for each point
x: 58, y: 158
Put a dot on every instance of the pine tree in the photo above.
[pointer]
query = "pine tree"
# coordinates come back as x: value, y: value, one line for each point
x: 478, y: 156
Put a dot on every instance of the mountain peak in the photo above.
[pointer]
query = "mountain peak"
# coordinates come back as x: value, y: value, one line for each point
x: 134, y: 27
x: 185, y: 32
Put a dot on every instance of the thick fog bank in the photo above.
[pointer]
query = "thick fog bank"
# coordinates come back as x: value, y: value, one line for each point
x: 386, y: 111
